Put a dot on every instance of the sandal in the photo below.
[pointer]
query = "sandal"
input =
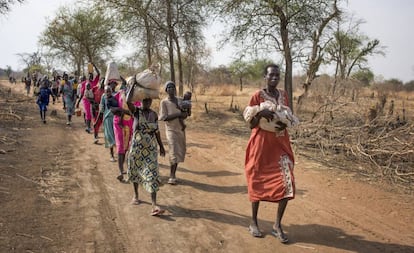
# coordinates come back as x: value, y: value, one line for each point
x: 135, y: 201
x: 254, y: 231
x: 172, y: 181
x: 121, y: 178
x: 278, y: 233
x: 157, y: 211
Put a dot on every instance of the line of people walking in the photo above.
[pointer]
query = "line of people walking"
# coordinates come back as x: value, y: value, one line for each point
x: 131, y: 129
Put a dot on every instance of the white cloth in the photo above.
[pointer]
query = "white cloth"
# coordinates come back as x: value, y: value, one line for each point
x: 282, y: 114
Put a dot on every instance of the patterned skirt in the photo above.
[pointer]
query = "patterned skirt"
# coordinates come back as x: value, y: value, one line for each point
x: 143, y: 161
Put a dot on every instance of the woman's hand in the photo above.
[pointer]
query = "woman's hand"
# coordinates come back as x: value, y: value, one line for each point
x: 162, y: 151
x: 280, y: 126
x: 267, y: 114
x: 183, y: 115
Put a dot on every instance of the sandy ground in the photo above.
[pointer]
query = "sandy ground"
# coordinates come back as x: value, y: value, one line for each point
x: 58, y: 193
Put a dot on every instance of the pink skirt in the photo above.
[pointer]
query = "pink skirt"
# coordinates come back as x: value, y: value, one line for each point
x: 123, y: 133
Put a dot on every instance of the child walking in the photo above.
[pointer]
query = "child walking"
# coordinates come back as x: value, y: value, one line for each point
x: 43, y: 100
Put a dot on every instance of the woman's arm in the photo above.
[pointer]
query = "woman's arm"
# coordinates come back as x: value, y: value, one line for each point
x: 177, y: 115
x: 267, y: 114
x: 96, y: 69
x: 129, y: 96
x: 158, y: 136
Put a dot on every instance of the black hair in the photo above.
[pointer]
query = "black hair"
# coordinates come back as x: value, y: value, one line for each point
x: 271, y: 65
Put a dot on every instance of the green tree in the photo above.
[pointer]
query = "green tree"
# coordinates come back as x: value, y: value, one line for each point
x: 79, y: 36
x: 365, y: 76
x: 350, y: 48
x: 241, y: 70
x: 8, y: 70
x: 132, y: 19
x: 273, y: 26
x: 175, y: 25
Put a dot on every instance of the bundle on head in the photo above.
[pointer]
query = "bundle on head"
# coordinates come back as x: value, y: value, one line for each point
x: 112, y: 73
x: 147, y: 84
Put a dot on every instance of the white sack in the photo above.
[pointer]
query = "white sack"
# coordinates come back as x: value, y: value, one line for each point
x: 112, y: 73
x: 149, y: 79
x: 141, y: 92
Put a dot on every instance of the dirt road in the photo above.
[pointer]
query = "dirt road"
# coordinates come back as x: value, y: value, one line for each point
x: 58, y: 193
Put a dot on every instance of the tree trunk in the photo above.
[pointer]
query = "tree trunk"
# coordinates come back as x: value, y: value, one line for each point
x: 148, y: 42
x: 288, y: 59
x: 170, y: 41
x: 241, y: 83
x: 284, y: 32
x: 180, y: 67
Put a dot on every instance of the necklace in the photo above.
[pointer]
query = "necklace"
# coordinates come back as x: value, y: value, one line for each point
x: 274, y: 93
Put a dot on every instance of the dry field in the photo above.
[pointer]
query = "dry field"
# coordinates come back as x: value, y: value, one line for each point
x: 59, y: 193
x: 361, y: 131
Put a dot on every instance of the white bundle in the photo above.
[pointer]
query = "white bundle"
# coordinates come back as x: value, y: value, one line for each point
x: 141, y: 92
x: 282, y: 114
x: 149, y: 79
x: 112, y: 73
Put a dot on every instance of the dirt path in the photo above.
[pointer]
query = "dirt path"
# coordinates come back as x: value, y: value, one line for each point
x: 58, y: 193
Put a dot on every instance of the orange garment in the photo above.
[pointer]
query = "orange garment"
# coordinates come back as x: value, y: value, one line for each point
x: 269, y: 159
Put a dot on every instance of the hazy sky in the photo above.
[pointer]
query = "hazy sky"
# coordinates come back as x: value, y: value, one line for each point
x: 388, y: 21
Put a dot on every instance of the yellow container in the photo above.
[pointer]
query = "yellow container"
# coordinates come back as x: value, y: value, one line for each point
x: 90, y: 68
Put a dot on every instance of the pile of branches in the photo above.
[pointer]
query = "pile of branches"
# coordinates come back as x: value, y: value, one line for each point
x: 348, y: 137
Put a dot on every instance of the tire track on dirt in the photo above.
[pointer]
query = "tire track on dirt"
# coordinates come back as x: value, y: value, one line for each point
x: 101, y: 229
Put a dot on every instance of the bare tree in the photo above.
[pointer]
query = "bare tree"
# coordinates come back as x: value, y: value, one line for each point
x: 319, y: 41
x: 30, y: 60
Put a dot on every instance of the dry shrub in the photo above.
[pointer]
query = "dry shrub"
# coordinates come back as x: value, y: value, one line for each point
x: 343, y: 131
x: 334, y: 128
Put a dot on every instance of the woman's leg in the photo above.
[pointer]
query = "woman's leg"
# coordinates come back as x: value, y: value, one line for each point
x: 255, y: 210
x: 277, y: 228
x: 135, y: 200
x: 254, y: 227
x: 280, y: 211
x: 156, y: 210
x: 154, y: 199
x: 121, y: 159
x: 111, y: 151
x: 173, y: 169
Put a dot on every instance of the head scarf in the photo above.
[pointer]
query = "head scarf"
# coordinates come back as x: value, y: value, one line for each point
x: 169, y: 83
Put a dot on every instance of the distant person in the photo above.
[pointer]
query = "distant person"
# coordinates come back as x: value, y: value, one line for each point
x: 55, y: 88
x: 43, y: 100
x: 87, y: 107
x: 269, y: 158
x: 143, y: 153
x: 171, y: 114
x: 108, y: 101
x: 27, y: 83
x: 68, y: 98
x: 97, y: 117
